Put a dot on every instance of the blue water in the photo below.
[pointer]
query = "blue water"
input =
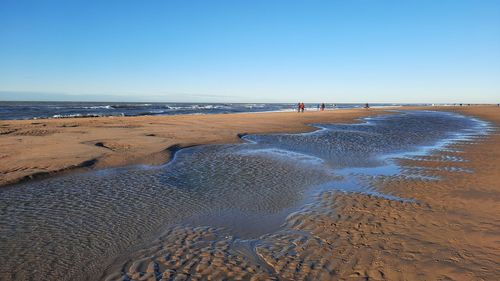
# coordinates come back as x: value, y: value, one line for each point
x: 33, y: 110
x: 47, y: 225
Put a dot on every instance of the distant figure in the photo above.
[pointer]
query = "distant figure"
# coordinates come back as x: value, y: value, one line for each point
x: 460, y: 104
x: 323, y: 107
x: 367, y: 106
x: 302, y: 107
x: 299, y: 105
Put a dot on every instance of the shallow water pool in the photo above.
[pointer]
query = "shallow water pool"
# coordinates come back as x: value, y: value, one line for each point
x: 72, y: 227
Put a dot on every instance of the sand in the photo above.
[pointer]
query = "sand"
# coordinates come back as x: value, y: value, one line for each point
x: 450, y: 232
x: 35, y: 148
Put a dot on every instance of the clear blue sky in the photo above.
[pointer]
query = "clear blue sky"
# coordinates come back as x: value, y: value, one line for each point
x: 251, y: 51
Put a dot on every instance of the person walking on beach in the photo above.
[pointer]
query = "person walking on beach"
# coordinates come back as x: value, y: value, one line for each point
x: 302, y: 107
x: 299, y: 105
x: 323, y: 107
x: 367, y: 106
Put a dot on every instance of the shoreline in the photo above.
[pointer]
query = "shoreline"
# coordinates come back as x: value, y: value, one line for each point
x: 91, y: 148
x: 247, y: 108
x: 448, y: 232
x: 41, y: 148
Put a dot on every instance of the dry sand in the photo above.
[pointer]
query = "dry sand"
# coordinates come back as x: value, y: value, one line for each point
x: 451, y: 231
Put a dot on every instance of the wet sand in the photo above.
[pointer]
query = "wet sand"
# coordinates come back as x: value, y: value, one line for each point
x: 450, y: 232
x: 35, y: 148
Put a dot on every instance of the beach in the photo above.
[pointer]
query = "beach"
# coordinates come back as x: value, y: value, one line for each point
x: 249, y: 140
x: 435, y: 219
x: 36, y: 148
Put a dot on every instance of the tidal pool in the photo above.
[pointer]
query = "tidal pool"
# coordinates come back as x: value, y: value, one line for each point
x: 72, y: 227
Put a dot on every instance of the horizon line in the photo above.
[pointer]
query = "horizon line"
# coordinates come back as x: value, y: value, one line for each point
x: 221, y: 102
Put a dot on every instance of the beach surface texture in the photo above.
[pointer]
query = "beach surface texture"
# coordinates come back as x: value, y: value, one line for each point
x: 35, y: 148
x: 436, y: 218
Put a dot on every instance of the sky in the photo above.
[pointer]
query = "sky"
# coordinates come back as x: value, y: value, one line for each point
x: 437, y: 51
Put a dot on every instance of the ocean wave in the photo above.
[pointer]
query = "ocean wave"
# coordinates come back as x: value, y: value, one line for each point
x: 80, y: 115
x: 99, y: 107
x: 38, y: 110
x: 130, y: 106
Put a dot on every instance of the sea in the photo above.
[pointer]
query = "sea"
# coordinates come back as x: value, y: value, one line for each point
x: 14, y: 110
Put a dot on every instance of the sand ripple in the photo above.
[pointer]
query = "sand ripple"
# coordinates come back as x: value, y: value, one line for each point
x: 72, y: 227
